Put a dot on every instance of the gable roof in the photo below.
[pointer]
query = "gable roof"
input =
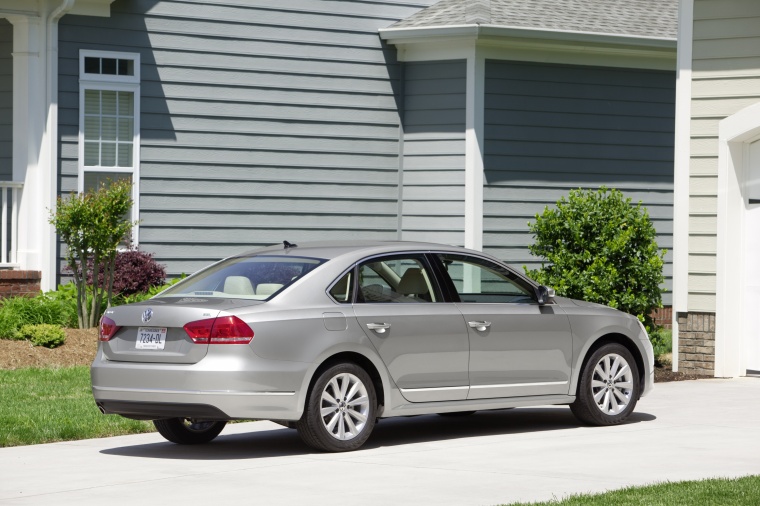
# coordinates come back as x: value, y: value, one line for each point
x: 632, y: 18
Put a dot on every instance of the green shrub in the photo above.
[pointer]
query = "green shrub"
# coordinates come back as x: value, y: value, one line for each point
x: 44, y: 334
x: 600, y: 248
x: 662, y: 341
x: 16, y: 312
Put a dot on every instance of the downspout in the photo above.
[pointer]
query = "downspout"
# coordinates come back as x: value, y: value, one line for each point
x: 49, y: 241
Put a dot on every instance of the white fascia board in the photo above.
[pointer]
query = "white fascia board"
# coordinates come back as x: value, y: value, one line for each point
x: 418, y: 34
x: 10, y: 8
x: 98, y: 8
x: 456, y: 42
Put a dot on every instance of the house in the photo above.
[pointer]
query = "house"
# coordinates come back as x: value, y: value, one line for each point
x: 245, y: 122
x: 717, y: 188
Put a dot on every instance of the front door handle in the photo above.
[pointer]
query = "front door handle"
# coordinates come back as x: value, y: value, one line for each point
x: 380, y: 328
x: 479, y: 326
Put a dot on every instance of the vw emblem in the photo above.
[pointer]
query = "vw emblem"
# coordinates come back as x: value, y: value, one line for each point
x: 147, y: 315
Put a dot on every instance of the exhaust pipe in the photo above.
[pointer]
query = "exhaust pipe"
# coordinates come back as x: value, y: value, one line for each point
x: 101, y: 408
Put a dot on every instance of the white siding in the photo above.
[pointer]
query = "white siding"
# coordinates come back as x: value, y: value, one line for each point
x: 726, y: 79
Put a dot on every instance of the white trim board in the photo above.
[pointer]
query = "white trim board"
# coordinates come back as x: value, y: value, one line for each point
x: 736, y: 132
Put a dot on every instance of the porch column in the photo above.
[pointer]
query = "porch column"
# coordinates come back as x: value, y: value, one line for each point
x: 474, y: 140
x: 29, y: 119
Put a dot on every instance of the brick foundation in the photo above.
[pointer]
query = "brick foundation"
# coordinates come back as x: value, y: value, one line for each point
x: 24, y: 283
x: 696, y: 343
x: 663, y: 317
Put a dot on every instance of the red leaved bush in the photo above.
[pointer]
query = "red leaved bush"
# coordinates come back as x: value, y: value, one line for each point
x: 135, y: 271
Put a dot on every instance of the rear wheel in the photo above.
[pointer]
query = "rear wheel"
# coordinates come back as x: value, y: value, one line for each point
x: 186, y: 431
x: 340, y: 410
x: 608, y: 386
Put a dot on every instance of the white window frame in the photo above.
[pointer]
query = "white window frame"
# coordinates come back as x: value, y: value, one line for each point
x: 108, y: 82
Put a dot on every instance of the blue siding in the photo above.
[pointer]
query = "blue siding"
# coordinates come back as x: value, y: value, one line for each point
x: 434, y: 151
x: 259, y: 121
x: 553, y: 128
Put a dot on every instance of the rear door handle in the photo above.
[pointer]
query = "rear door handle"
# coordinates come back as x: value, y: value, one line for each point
x: 479, y: 326
x: 380, y: 328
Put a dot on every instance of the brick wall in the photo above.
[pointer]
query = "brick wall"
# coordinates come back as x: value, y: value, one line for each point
x: 696, y: 343
x: 663, y: 317
x: 13, y: 282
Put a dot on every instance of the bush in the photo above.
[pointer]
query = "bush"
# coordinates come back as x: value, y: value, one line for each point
x: 16, y: 312
x: 662, y: 341
x: 44, y: 334
x: 601, y: 249
x: 134, y: 272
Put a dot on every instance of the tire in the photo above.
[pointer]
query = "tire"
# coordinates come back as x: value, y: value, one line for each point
x: 185, y: 431
x: 608, y: 387
x: 340, y: 410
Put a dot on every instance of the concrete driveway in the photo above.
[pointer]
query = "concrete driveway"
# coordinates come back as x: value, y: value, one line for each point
x: 686, y: 430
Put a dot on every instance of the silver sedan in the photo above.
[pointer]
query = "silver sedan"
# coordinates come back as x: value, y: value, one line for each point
x: 329, y: 337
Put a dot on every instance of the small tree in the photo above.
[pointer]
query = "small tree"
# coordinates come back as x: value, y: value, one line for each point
x: 600, y: 248
x: 92, y: 225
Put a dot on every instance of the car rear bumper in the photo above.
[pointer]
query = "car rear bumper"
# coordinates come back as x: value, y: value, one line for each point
x: 219, y: 387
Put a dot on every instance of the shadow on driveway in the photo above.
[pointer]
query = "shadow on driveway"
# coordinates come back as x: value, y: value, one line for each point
x: 388, y: 433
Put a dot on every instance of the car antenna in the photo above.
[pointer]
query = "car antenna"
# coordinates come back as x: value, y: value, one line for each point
x: 289, y: 245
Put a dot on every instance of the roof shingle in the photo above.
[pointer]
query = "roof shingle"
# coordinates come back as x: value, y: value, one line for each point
x: 633, y: 18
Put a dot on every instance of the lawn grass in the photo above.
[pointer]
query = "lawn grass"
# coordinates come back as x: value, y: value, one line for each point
x: 46, y: 405
x: 714, y: 492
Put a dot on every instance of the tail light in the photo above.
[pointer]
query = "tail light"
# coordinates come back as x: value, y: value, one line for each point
x: 108, y: 328
x: 220, y: 330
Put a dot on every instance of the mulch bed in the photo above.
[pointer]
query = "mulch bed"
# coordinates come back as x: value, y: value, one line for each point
x: 79, y: 349
x: 81, y: 345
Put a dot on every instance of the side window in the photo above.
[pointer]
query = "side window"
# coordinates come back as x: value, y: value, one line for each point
x: 478, y: 280
x: 395, y: 280
x: 343, y: 290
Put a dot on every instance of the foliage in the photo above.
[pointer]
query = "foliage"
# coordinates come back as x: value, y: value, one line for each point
x: 743, y: 491
x: 600, y: 248
x: 44, y: 334
x: 92, y: 225
x: 662, y: 341
x: 135, y: 271
x: 46, y: 405
x: 151, y: 292
x: 15, y: 312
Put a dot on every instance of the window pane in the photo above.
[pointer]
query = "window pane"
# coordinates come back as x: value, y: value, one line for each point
x: 342, y: 291
x: 126, y: 67
x: 109, y: 102
x: 108, y: 128
x: 402, y: 280
x: 108, y: 154
x: 125, y: 154
x: 91, y: 102
x: 93, y: 179
x: 478, y: 280
x: 92, y: 128
x: 91, y: 65
x: 109, y: 66
x: 126, y: 103
x: 91, y: 153
x: 126, y: 129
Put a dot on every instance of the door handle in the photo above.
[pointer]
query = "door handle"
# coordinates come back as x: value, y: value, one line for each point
x: 380, y: 328
x: 479, y: 326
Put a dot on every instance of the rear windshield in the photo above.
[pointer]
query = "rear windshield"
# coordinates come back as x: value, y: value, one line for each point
x: 251, y: 277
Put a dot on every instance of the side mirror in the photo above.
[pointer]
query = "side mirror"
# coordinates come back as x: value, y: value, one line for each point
x: 544, y: 294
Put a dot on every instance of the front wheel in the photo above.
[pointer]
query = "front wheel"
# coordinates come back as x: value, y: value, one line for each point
x: 608, y: 386
x: 340, y: 410
x: 186, y: 431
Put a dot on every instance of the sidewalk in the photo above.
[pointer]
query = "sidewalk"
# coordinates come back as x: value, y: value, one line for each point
x: 681, y: 431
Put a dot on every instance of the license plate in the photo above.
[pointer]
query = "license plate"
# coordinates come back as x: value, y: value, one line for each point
x: 151, y: 338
